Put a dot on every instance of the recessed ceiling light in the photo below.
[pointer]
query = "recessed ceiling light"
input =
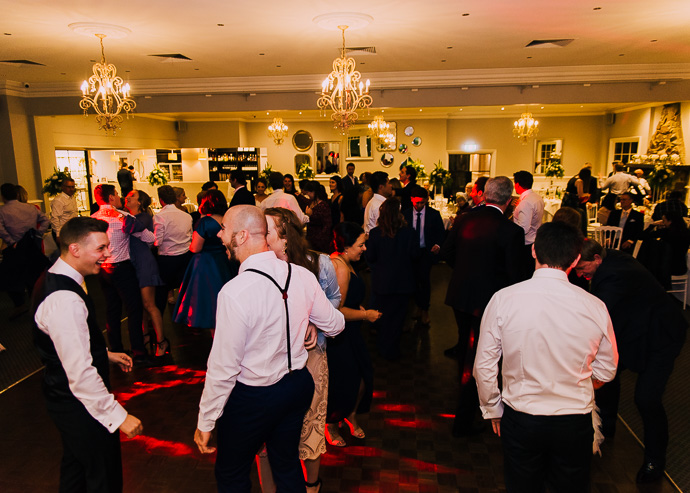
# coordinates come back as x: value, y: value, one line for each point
x: 596, y: 8
x: 442, y: 61
x: 262, y: 54
x: 362, y: 63
x: 502, y: 109
x: 653, y: 41
x: 464, y: 88
x: 383, y: 111
x: 208, y: 95
x: 587, y: 85
x: 449, y: 47
x: 127, y: 71
x: 300, y: 112
x: 542, y: 107
x: 465, y: 14
x: 529, y: 57
x: 535, y: 86
x: 197, y: 69
x: 267, y: 112
x: 8, y: 34
x: 220, y: 25
x: 582, y: 106
x: 278, y: 66
x: 147, y: 97
x: 622, y: 54
x: 414, y: 90
x: 420, y: 109
x: 63, y: 73
x: 460, y: 109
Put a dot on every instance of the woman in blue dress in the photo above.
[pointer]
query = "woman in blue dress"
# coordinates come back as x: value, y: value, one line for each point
x: 209, y: 269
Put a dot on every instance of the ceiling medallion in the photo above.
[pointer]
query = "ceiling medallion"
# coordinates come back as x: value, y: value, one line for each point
x: 525, y: 128
x: 343, y: 91
x: 278, y: 130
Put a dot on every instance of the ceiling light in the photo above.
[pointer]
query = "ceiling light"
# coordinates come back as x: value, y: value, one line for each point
x: 172, y: 156
x: 278, y: 130
x: 343, y: 91
x: 525, y: 128
x: 106, y: 94
x: 379, y: 128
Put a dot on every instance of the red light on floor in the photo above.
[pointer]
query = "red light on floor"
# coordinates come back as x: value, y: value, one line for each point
x: 422, y: 466
x: 398, y: 408
x: 163, y: 447
x: 379, y: 394
x: 418, y: 424
x: 449, y: 416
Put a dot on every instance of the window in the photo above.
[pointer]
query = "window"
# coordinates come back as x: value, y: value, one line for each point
x: 543, y: 151
x: 622, y: 151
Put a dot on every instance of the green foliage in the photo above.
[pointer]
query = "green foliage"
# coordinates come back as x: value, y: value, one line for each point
x: 554, y: 168
x: 305, y: 172
x: 157, y: 177
x: 661, y: 176
x: 440, y: 176
x: 53, y: 184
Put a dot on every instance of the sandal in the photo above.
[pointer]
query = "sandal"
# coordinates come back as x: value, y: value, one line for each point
x: 315, y: 484
x: 334, y: 437
x: 355, y: 432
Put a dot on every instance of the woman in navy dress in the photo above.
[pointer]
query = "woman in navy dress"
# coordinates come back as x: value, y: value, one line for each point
x: 351, y: 376
x: 137, y: 203
x: 209, y: 269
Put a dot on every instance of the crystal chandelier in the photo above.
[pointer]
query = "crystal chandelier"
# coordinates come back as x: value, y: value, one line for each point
x: 106, y: 94
x: 379, y: 129
x: 388, y: 141
x: 343, y: 91
x: 525, y: 128
x: 277, y: 130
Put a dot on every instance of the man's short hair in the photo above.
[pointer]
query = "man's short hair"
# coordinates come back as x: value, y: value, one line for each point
x: 350, y: 164
x: 590, y: 248
x: 103, y: 191
x: 167, y: 194
x: 419, y: 192
x: 627, y: 194
x: 238, y: 176
x: 411, y: 173
x: 568, y: 215
x: 524, y: 179
x: 377, y: 179
x: 78, y: 228
x: 8, y: 191
x: 275, y: 179
x: 498, y: 190
x: 481, y: 183
x: 130, y: 167
x: 208, y: 186
x: 558, y: 244
x: 618, y: 166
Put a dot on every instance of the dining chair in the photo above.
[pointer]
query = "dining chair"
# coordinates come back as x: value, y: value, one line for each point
x: 679, y: 284
x: 592, y: 210
x: 609, y: 236
x: 636, y: 250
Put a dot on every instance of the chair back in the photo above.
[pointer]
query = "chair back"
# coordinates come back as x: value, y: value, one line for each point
x: 592, y: 210
x: 609, y: 236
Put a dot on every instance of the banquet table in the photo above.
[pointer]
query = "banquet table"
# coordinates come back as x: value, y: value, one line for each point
x: 550, y: 208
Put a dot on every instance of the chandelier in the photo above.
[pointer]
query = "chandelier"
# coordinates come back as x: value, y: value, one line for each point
x: 106, y: 94
x: 343, y: 91
x: 525, y: 128
x: 388, y: 141
x: 379, y: 129
x: 277, y: 130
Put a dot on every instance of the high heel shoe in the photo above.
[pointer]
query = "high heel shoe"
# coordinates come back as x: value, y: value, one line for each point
x: 165, y: 343
x: 357, y: 432
x: 333, y: 436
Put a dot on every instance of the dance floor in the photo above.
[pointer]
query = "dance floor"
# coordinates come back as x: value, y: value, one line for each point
x: 408, y: 447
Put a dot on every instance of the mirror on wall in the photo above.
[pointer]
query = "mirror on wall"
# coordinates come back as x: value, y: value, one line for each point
x: 409, y: 130
x: 301, y: 160
x: 302, y: 140
x: 417, y: 141
x: 327, y: 158
x: 393, y: 143
x: 545, y: 152
x: 359, y: 143
x: 387, y: 159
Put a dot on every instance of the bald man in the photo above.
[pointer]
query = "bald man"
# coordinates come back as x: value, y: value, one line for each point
x: 257, y: 386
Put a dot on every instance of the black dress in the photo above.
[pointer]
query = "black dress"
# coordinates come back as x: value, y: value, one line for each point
x: 349, y: 363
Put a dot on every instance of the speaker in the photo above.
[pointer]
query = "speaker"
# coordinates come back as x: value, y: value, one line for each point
x: 181, y: 126
x: 610, y: 118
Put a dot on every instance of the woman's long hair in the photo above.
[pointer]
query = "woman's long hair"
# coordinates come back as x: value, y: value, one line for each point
x: 291, y: 229
x: 214, y: 202
x: 144, y: 202
x: 390, y: 218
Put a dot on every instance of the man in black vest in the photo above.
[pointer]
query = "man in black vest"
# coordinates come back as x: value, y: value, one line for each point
x: 76, y: 378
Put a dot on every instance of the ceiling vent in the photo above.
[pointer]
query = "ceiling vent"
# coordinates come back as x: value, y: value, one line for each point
x: 173, y: 57
x: 549, y: 43
x: 360, y: 50
x: 22, y: 62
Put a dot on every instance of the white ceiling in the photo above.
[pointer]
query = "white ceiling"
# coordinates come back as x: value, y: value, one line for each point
x: 418, y: 44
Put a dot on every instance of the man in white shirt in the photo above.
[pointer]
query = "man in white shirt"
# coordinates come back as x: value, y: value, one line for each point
x: 173, y: 231
x: 76, y: 376
x: 63, y: 207
x: 381, y: 186
x: 281, y: 199
x: 557, y: 343
x: 528, y: 213
x: 620, y: 181
x: 257, y: 388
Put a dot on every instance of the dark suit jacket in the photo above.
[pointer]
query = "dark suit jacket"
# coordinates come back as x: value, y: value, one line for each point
x: 348, y: 187
x: 390, y: 260
x: 242, y: 196
x: 434, y: 232
x: 634, y: 226
x: 404, y: 194
x: 485, y: 250
x: 645, y: 318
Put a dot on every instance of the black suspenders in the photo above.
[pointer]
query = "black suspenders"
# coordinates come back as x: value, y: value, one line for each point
x: 283, y: 291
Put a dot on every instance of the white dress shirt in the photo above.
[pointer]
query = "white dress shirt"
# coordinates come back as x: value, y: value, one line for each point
x: 553, y: 337
x: 371, y: 212
x: 285, y: 200
x: 173, y: 230
x: 529, y: 214
x: 62, y: 316
x: 619, y: 182
x: 62, y: 209
x: 16, y: 218
x: 250, y: 344
x: 119, y: 240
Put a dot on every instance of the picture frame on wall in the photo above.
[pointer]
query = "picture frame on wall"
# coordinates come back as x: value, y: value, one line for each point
x: 327, y: 160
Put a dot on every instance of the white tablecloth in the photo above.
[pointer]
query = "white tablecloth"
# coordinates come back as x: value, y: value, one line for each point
x: 550, y: 208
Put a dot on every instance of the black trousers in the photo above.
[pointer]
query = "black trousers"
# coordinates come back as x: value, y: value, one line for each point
x: 546, y: 450
x: 171, y: 269
x: 256, y: 415
x: 649, y: 391
x: 422, y: 277
x: 120, y: 284
x: 393, y: 308
x: 468, y: 402
x: 91, y: 460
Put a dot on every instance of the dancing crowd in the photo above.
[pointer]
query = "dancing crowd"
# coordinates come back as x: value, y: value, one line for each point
x: 279, y: 280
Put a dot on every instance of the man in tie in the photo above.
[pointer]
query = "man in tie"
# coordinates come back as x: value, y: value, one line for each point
x: 428, y: 224
x: 630, y: 220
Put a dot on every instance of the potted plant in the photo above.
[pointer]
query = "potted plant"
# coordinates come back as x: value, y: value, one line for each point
x: 440, y: 177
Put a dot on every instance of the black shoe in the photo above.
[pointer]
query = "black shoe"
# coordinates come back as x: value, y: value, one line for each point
x: 468, y: 431
x: 452, y: 352
x: 649, y: 473
x: 142, y: 361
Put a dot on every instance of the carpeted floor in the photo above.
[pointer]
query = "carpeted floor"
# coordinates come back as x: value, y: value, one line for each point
x: 408, y: 445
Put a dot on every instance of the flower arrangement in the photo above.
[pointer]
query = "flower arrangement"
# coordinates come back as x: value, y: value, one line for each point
x: 440, y: 176
x: 418, y: 166
x: 554, y: 167
x: 53, y: 184
x: 661, y: 176
x: 266, y: 173
x: 157, y: 177
x: 305, y: 172
x: 672, y: 159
